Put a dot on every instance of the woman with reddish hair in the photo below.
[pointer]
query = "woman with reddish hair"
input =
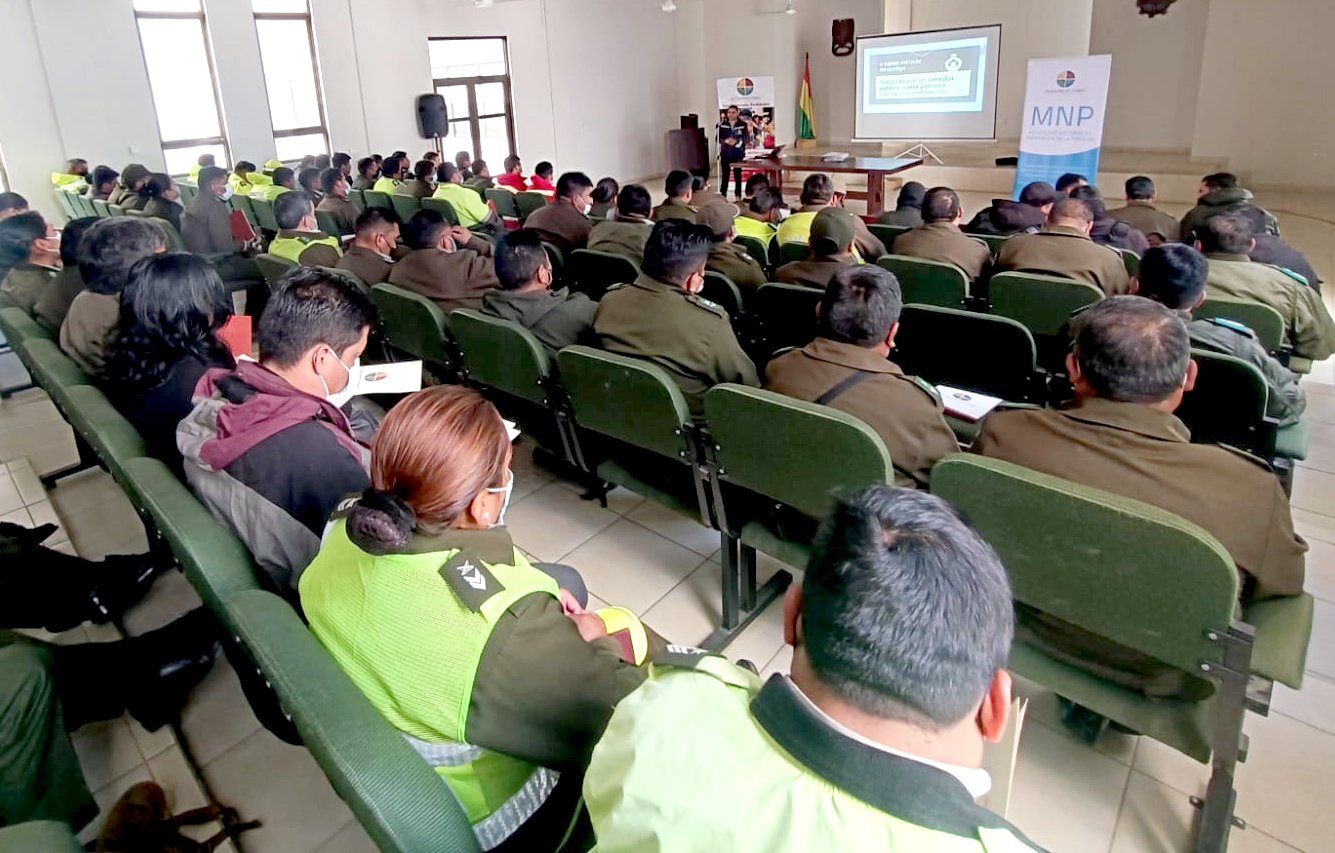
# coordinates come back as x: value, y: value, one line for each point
x: 492, y: 670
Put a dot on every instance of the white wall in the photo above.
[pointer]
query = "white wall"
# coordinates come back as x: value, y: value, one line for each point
x: 1029, y: 29
x: 236, y: 59
x: 1156, y: 72
x: 833, y: 78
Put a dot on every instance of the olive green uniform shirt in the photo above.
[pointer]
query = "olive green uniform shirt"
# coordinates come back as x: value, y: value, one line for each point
x: 1307, y: 324
x: 944, y: 242
x: 458, y: 279
x: 689, y: 337
x: 89, y: 330
x: 1066, y: 252
x: 1148, y: 219
x: 415, y: 188
x: 814, y: 271
x: 674, y: 208
x: 368, y: 265
x: 621, y: 237
x: 562, y: 225
x: 737, y: 264
x: 26, y: 284
x: 55, y: 301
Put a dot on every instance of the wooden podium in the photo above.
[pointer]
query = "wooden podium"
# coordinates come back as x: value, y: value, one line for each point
x: 687, y: 149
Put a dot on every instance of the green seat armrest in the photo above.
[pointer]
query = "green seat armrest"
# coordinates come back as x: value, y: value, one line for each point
x: 39, y: 836
x: 1291, y: 441
x: 1283, y: 629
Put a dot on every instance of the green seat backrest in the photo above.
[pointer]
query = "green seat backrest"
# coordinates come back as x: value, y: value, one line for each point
x: 756, y: 248
x: 1118, y: 568
x: 1265, y: 321
x: 992, y: 241
x: 787, y: 314
x: 264, y: 214
x: 965, y: 349
x: 1043, y: 303
x: 443, y: 207
x: 592, y: 272
x: 412, y: 323
x: 357, y: 198
x: 20, y: 329
x: 927, y: 282
x: 65, y: 199
x: 39, y: 836
x: 789, y: 252
x: 1132, y: 262
x: 887, y: 234
x: 1227, y: 405
x: 100, y: 205
x: 52, y: 369
x: 273, y: 268
x: 138, y: 214
x: 243, y: 204
x: 188, y: 190
x: 528, y: 202
x: 174, y: 241
x: 722, y: 291
x: 405, y: 205
x: 504, y: 202
x: 375, y: 199
x: 502, y: 355
x: 790, y: 451
x: 397, y: 798
x: 625, y: 398
x: 116, y: 209
x: 557, y: 259
x: 214, y: 560
x: 115, y: 439
x: 328, y: 224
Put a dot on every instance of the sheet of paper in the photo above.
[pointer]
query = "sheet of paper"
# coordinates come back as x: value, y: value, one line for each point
x: 403, y: 377
x: 969, y: 405
x: 511, y: 429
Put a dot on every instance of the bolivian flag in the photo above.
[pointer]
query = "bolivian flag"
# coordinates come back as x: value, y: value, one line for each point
x: 806, y: 122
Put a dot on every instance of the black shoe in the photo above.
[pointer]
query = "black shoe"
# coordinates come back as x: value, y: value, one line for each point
x: 18, y: 538
x: 1080, y: 721
x: 123, y: 581
x: 172, y: 660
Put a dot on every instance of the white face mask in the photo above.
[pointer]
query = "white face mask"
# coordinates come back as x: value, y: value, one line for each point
x: 587, y: 209
x: 226, y: 192
x: 342, y: 397
x: 507, y: 490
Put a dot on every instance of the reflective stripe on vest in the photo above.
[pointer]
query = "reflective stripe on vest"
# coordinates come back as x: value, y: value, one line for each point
x: 292, y: 247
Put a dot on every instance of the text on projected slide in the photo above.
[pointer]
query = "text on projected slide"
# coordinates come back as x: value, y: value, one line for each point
x: 936, y: 77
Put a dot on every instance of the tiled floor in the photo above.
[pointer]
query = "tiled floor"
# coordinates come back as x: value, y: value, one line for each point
x: 1126, y: 795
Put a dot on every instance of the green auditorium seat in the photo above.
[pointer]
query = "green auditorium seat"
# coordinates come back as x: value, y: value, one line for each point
x: 51, y: 368
x: 397, y: 798
x: 722, y: 291
x: 1132, y: 262
x: 1265, y: 321
x: 1147, y: 580
x: 416, y: 328
x: 443, y: 207
x: 927, y: 282
x: 243, y: 204
x: 756, y: 248
x: 264, y: 216
x: 592, y: 272
x: 39, y: 836
x: 405, y: 205
x: 375, y: 199
x: 95, y: 419
x: 273, y: 268
x: 967, y: 350
x: 1043, y: 304
x: 528, y: 202
x: 328, y: 224
x: 992, y: 241
x: 357, y: 198
x: 887, y: 234
x: 188, y: 189
x: 100, y: 205
x: 174, y: 241
x: 65, y: 199
x: 116, y: 209
x: 506, y: 205
x: 787, y: 314
x: 789, y: 252
x: 19, y: 328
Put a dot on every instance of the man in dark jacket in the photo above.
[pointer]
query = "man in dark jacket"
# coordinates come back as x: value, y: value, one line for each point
x: 908, y: 207
x: 371, y: 255
x: 448, y: 263
x: 1006, y: 217
x: 1108, y: 231
x: 206, y: 228
x: 557, y: 318
x: 267, y: 448
x: 1220, y: 194
x: 565, y: 222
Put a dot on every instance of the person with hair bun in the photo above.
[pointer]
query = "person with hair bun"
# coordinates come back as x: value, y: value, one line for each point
x: 489, y: 665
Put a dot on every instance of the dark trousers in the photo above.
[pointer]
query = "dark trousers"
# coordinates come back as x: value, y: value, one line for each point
x: 727, y: 165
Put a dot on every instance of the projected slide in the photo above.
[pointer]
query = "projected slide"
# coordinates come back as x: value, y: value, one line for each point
x: 938, y: 77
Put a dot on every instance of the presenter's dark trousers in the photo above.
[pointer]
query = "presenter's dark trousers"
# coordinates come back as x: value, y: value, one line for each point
x: 730, y: 165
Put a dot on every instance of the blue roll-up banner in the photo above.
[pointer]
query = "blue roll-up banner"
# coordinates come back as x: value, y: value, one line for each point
x: 1062, y: 129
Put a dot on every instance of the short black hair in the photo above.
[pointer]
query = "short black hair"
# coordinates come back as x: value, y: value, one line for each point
x: 401, y: 154
x: 364, y: 165
x: 676, y: 249
x: 243, y: 166
x: 545, y: 169
x: 424, y: 170
x: 157, y: 184
x: 1091, y: 196
x: 375, y: 219
x: 391, y: 166
x: 462, y: 157
x: 1071, y: 208
x: 76, y: 162
x: 104, y: 175
x: 572, y: 184
x: 340, y: 159
x: 860, y: 305
x: 205, y: 160
x: 479, y: 165
x: 1038, y: 194
x: 756, y: 181
x: 907, y: 612
x: 330, y: 177
x: 1221, y: 181
x: 291, y: 207
x: 605, y: 191
x: 112, y: 246
x: 210, y: 175
x: 322, y: 161
x: 13, y: 201
x: 1173, y: 274
x: 519, y: 255
x: 763, y: 200
x: 433, y: 156
x: 17, y: 235
x: 282, y: 175
x: 1068, y: 180
x: 634, y: 200
x: 1228, y: 234
x: 817, y: 189
x: 1139, y: 188
x: 677, y: 183
x: 309, y: 179
x: 70, y: 236
x: 446, y: 171
x: 940, y: 204
x: 511, y: 162
x: 424, y: 228
x: 1132, y: 349
x: 377, y: 159
x: 308, y: 308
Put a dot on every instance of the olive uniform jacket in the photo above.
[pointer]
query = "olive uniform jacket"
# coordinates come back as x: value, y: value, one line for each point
x: 1062, y: 251
x: 674, y: 208
x: 89, y: 330
x: 344, y: 212
x: 1140, y: 453
x: 163, y: 209
x: 367, y: 264
x: 206, y: 227
x: 415, y: 188
x: 737, y: 264
x: 689, y: 337
x: 1307, y: 324
x: 621, y: 236
x: 55, y: 301
x: 945, y: 242
x: 815, y: 271
x: 562, y: 225
x: 904, y: 411
x: 1286, y: 401
x: 27, y: 283
x: 1148, y: 219
x: 458, y: 279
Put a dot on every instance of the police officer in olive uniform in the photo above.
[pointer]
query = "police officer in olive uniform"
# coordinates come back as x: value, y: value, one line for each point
x: 831, y: 244
x: 1128, y: 349
x: 940, y: 238
x: 846, y: 368
x: 661, y: 317
x: 627, y: 233
x: 299, y: 239
x: 725, y: 256
x: 1064, y: 248
x: 680, y: 188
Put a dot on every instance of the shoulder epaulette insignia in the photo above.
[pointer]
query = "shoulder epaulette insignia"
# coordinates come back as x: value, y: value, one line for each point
x: 1298, y: 277
x: 344, y: 508
x: 681, y: 657
x: 470, y: 579
x: 696, y: 299
x: 926, y: 387
x: 1249, y: 456
x: 1231, y: 325
x: 1082, y: 309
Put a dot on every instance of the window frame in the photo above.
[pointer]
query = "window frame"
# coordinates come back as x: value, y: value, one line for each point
x: 471, y: 83
x: 166, y: 145
x: 323, y: 128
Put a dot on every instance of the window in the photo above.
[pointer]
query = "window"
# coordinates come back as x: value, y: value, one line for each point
x: 292, y: 77
x: 175, y: 41
x: 474, y: 76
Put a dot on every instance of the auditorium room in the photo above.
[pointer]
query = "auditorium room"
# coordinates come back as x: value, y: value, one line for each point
x: 761, y: 426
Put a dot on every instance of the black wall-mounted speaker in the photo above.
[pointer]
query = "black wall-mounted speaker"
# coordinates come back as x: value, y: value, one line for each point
x: 432, y: 118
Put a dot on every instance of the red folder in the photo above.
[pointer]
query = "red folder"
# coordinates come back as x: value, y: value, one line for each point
x: 236, y: 335
x: 241, y: 229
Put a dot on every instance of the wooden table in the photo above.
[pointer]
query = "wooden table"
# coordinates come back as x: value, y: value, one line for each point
x: 875, y: 168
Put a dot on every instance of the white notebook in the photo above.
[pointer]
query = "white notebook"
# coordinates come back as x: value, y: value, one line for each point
x: 969, y: 405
